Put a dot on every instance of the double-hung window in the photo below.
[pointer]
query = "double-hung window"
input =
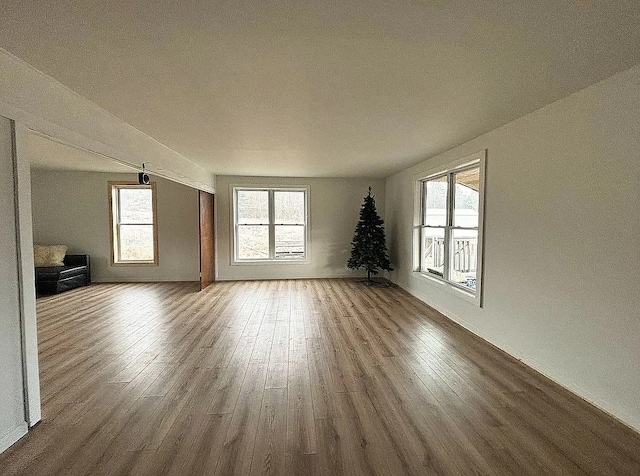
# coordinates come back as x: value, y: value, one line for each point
x: 449, y: 225
x: 134, y: 231
x: 270, y: 224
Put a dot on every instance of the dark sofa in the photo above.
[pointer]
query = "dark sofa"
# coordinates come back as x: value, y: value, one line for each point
x: 76, y: 272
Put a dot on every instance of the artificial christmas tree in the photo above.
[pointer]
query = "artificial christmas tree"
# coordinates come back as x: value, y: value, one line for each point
x: 369, y: 248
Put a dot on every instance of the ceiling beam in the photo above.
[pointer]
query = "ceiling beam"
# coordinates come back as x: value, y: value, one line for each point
x: 50, y: 109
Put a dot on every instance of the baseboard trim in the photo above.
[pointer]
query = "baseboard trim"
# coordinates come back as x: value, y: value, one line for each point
x: 13, y: 436
x: 530, y: 362
x: 139, y: 280
x: 273, y: 278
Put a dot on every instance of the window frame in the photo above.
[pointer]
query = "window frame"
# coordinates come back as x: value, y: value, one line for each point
x: 272, y: 259
x: 476, y: 160
x: 114, y: 224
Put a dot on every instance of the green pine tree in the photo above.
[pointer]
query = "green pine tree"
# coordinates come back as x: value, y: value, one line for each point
x: 369, y: 248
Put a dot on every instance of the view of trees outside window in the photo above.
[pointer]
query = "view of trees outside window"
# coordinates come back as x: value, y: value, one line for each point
x: 253, y: 224
x: 462, y: 232
x: 134, y: 212
x: 289, y: 224
x: 253, y: 242
x: 260, y: 213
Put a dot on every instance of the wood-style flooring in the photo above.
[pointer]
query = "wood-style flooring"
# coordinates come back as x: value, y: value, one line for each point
x: 304, y: 377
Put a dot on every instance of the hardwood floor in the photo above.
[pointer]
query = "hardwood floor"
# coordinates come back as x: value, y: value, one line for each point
x: 294, y: 377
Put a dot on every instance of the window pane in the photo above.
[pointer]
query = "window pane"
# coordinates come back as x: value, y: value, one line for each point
x: 436, y: 202
x: 253, y: 242
x: 136, y: 243
x: 289, y: 207
x: 464, y: 257
x: 135, y: 205
x: 432, y: 250
x: 289, y: 241
x: 253, y: 207
x: 467, y: 198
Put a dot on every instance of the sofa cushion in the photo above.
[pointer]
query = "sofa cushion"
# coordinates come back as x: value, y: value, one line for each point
x: 52, y: 255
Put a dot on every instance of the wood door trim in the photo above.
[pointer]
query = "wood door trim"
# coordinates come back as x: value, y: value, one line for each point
x: 206, y: 237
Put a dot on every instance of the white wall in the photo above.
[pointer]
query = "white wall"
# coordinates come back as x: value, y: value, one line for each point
x: 27, y: 275
x: 562, y: 254
x: 72, y: 208
x: 12, y: 410
x: 334, y: 207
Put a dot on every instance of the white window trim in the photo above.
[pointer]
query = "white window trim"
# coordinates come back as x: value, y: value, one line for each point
x: 478, y: 158
x: 234, y: 224
x: 113, y: 223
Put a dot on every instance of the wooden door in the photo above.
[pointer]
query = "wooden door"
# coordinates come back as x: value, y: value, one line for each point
x: 207, y: 245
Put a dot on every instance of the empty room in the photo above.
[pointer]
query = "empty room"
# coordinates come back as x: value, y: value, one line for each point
x: 329, y: 238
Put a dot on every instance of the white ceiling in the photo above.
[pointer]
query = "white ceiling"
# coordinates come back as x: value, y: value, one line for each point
x: 321, y: 88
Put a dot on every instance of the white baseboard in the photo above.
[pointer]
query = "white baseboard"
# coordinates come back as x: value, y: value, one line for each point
x: 14, y: 435
x: 272, y: 278
x: 189, y: 279
x: 581, y: 392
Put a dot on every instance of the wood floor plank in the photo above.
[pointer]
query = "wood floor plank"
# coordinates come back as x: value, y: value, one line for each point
x: 313, y: 377
x: 301, y: 430
x: 241, y: 435
x: 270, y: 446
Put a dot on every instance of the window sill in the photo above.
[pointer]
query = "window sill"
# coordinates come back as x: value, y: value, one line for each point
x: 134, y: 264
x: 270, y: 262
x: 450, y: 288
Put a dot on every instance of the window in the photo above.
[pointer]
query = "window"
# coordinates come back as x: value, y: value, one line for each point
x: 270, y: 224
x: 132, y: 214
x: 448, y: 229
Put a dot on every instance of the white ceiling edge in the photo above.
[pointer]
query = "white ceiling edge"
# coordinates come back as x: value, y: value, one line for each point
x: 50, y: 109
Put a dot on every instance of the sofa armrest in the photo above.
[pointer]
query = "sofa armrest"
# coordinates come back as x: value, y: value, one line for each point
x: 79, y: 260
x: 76, y: 260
